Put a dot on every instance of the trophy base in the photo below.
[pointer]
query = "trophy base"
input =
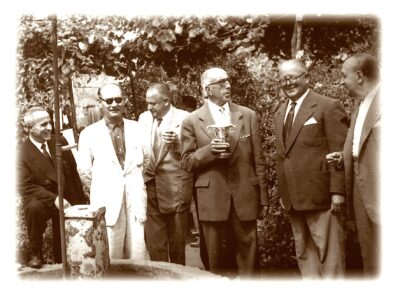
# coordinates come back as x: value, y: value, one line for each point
x: 224, y: 155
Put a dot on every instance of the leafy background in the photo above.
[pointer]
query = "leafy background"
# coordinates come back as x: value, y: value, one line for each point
x: 176, y: 50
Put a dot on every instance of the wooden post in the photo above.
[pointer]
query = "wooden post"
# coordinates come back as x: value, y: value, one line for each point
x: 132, y: 83
x: 73, y: 112
x: 297, y: 36
x: 58, y: 143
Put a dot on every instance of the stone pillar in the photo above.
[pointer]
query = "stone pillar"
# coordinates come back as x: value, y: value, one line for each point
x: 86, y: 241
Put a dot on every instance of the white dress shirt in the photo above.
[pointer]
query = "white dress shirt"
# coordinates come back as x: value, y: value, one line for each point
x: 39, y: 145
x: 299, y: 101
x: 220, y: 114
x: 362, y: 114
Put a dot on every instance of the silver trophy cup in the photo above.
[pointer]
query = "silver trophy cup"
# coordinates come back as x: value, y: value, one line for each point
x: 222, y: 132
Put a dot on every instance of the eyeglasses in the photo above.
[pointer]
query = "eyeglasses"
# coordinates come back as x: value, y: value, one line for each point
x: 220, y: 82
x: 111, y: 100
x: 291, y: 79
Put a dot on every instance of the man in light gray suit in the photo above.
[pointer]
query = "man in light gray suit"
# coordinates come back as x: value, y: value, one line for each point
x: 169, y: 187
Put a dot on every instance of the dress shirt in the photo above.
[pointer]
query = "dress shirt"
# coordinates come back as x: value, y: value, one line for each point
x: 117, y: 134
x: 39, y: 145
x: 299, y: 101
x: 362, y: 114
x: 220, y: 114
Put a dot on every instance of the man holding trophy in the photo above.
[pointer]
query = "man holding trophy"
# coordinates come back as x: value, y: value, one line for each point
x: 221, y: 145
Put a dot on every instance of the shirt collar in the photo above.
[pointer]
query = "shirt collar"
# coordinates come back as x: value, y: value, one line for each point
x: 111, y: 126
x: 39, y: 144
x: 372, y: 93
x: 167, y: 115
x: 301, y: 99
x: 215, y: 108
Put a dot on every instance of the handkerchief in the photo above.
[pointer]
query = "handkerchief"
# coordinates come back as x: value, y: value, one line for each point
x: 311, y: 121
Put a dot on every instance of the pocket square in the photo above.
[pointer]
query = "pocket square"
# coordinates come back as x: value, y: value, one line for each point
x: 245, y: 136
x: 311, y: 121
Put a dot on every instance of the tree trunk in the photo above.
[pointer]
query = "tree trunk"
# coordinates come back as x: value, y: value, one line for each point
x: 297, y: 36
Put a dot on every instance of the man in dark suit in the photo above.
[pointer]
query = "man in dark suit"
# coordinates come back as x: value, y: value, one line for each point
x: 37, y: 183
x: 361, y: 155
x: 307, y: 127
x: 230, y: 190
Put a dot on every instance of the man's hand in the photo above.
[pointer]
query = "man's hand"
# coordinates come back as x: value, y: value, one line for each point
x: 169, y: 137
x: 337, y: 206
x: 219, y: 146
x: 335, y: 159
x: 66, y: 203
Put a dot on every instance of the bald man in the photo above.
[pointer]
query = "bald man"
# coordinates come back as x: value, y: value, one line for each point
x: 230, y: 188
x: 308, y: 126
x: 110, y: 164
x: 360, y: 157
x: 37, y: 182
x: 169, y: 187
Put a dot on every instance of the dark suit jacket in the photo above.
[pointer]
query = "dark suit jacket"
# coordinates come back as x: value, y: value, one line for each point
x: 368, y: 159
x: 305, y: 181
x: 241, y: 177
x: 37, y: 177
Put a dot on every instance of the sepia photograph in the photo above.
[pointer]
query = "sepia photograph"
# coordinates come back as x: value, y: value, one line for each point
x: 230, y: 145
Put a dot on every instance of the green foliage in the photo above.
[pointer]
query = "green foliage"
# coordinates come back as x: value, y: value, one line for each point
x: 176, y: 50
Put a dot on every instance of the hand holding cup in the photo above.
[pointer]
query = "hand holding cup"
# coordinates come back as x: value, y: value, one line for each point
x: 169, y: 136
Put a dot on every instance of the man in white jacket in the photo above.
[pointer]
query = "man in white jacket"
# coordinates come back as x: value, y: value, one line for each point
x: 110, y: 164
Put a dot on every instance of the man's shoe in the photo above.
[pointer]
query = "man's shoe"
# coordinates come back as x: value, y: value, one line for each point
x: 195, y: 244
x: 36, y: 262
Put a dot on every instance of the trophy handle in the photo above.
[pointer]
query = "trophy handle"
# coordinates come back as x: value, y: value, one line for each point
x: 209, y: 128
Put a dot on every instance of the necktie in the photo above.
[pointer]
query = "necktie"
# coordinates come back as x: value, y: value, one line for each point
x: 289, y: 121
x: 157, y: 138
x: 46, y: 154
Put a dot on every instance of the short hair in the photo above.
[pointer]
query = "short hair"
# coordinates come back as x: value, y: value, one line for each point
x: 162, y: 89
x: 367, y: 64
x: 106, y: 85
x: 29, y: 116
x: 209, y: 76
x: 294, y: 62
x: 189, y: 101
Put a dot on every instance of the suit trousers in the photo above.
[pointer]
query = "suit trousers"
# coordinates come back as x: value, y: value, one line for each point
x: 231, y: 245
x: 37, y: 213
x: 368, y: 232
x: 165, y: 233
x: 126, y: 236
x: 319, y: 242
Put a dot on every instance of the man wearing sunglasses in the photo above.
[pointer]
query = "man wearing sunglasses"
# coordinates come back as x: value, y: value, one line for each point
x: 231, y: 190
x: 110, y: 164
x: 308, y: 126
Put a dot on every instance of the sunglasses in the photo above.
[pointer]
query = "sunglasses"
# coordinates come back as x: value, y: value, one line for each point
x: 111, y: 100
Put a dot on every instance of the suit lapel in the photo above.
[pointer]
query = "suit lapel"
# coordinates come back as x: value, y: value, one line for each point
x: 206, y: 119
x: 39, y: 161
x: 305, y: 111
x: 372, y: 117
x: 164, y: 146
x: 108, y: 144
x: 280, y: 118
x: 236, y: 119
